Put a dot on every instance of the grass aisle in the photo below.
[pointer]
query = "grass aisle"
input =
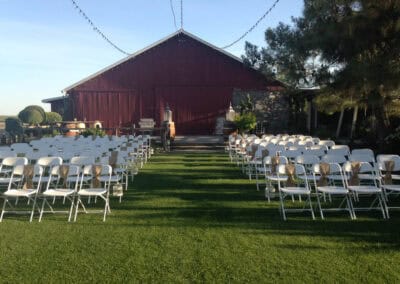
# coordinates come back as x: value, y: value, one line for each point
x: 195, y: 218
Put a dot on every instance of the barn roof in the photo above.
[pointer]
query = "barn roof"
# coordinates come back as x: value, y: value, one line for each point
x: 181, y: 31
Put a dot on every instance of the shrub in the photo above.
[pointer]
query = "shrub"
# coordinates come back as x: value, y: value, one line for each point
x: 246, y: 122
x: 53, y: 117
x: 14, y: 126
x: 31, y: 116
x: 94, y: 132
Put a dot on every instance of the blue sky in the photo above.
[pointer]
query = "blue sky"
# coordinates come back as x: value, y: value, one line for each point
x: 46, y: 45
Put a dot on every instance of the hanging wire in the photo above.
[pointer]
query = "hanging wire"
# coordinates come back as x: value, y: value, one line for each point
x: 96, y: 29
x: 181, y: 14
x: 173, y: 13
x: 253, y: 26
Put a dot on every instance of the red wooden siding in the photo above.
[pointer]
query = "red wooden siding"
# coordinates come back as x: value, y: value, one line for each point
x: 195, y: 80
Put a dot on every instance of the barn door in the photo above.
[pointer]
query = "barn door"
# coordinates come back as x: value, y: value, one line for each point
x: 194, y: 108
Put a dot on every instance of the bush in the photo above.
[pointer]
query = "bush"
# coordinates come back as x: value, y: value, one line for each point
x: 32, y: 115
x: 94, y: 132
x: 246, y: 122
x: 53, y: 117
x: 14, y: 126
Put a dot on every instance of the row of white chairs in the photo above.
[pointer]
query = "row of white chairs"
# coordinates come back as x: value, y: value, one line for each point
x: 69, y: 182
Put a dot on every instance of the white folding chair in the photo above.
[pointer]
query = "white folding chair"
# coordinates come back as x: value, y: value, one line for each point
x: 94, y: 189
x: 7, y: 166
x: 288, y: 186
x: 389, y: 171
x: 62, y: 183
x: 334, y: 188
x: 359, y: 186
x: 21, y: 186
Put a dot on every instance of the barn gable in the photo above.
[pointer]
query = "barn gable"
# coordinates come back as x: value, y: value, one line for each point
x: 193, y: 77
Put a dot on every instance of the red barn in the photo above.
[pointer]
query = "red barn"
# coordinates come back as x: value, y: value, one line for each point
x: 194, y: 78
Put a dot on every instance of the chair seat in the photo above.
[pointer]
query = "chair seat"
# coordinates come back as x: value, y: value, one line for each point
x: 114, y: 178
x: 336, y: 177
x: 7, y: 180
x: 276, y: 178
x: 296, y: 190
x: 92, y: 191
x: 333, y: 189
x: 391, y: 187
x: 42, y: 180
x: 309, y: 177
x: 364, y: 189
x: 58, y: 192
x: 20, y: 192
x: 368, y: 176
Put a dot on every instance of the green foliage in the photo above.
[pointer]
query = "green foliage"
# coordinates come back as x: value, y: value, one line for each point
x: 53, y: 117
x: 246, y: 122
x: 14, y: 126
x: 93, y: 132
x: 32, y: 115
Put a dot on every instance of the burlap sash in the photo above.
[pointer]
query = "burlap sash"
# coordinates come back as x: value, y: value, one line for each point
x: 264, y: 153
x: 324, y: 169
x: 110, y: 138
x: 389, y: 166
x: 129, y: 144
x: 64, y: 170
x: 28, y: 173
x: 94, y: 137
x: 291, y: 175
x: 355, y: 170
x: 124, y: 148
x: 112, y: 161
x: 274, y: 164
x: 76, y: 137
x: 253, y: 151
x: 96, y: 171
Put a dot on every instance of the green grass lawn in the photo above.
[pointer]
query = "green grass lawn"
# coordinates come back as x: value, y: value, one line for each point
x: 195, y: 218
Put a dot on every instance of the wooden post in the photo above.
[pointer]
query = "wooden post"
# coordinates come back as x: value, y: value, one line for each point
x: 309, y: 106
x: 354, y: 122
x: 339, y: 126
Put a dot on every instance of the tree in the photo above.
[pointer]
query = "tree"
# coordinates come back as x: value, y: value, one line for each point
x: 349, y: 48
x: 32, y: 115
x: 14, y: 126
x: 53, y: 117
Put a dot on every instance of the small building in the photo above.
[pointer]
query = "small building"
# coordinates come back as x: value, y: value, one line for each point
x: 191, y: 76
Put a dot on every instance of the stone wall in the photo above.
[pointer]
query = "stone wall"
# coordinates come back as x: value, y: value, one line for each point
x: 270, y: 107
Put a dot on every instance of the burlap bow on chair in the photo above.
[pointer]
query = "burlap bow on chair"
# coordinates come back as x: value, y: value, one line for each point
x: 355, y: 170
x: 324, y: 169
x: 389, y: 167
x: 96, y: 171
x: 253, y: 152
x: 264, y: 153
x: 290, y: 170
x: 64, y: 170
x: 28, y: 173
x: 274, y: 163
x: 112, y: 161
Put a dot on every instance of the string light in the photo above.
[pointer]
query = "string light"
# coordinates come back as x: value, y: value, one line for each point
x: 253, y: 26
x: 173, y: 13
x: 181, y: 14
x: 96, y: 29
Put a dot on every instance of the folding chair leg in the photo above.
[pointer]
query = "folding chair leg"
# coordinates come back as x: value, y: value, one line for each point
x: 33, y: 209
x: 311, y: 208
x: 2, y: 210
x: 71, y: 209
x: 319, y: 207
x: 41, y: 211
